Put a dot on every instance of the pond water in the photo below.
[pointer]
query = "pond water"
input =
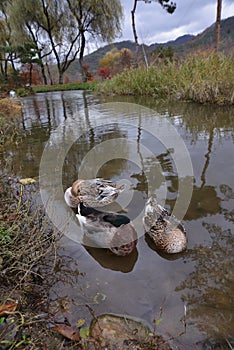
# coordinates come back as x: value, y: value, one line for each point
x: 167, y: 149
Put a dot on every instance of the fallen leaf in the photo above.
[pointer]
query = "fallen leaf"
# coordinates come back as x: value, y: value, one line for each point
x: 67, y: 331
x: 80, y: 322
x: 84, y: 332
x: 6, y: 308
x: 27, y: 181
x: 157, y: 322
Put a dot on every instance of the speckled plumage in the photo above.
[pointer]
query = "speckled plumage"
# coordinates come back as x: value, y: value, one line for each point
x: 93, y: 193
x: 165, y: 230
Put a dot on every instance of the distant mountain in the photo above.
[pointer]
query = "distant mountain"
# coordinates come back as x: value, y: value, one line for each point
x: 182, y: 46
x: 179, y: 41
x: 206, y: 39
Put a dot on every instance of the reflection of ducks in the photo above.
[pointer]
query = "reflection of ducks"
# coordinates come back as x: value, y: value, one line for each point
x: 113, y: 262
x: 108, y: 230
x: 165, y: 230
x: 93, y: 193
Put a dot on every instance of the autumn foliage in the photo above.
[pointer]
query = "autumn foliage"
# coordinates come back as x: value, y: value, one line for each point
x: 104, y: 73
x: 30, y: 74
x: 114, y: 62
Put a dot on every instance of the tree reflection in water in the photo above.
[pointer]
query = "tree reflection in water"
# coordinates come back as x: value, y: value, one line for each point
x: 208, y: 291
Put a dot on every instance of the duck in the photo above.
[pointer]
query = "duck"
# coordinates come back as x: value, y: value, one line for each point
x: 107, y: 230
x: 92, y: 193
x: 167, y: 233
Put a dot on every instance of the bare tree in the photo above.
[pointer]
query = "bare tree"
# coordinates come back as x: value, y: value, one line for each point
x: 218, y: 18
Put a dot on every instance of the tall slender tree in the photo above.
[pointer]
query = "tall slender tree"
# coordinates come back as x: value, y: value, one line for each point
x: 218, y: 19
x: 168, y: 5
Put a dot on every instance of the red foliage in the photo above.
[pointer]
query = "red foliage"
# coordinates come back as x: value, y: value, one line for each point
x: 104, y: 73
x: 25, y: 74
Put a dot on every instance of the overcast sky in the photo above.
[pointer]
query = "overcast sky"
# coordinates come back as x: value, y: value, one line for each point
x: 154, y: 24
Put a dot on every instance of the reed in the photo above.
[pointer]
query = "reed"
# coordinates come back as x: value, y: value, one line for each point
x: 9, y: 106
x: 201, y: 79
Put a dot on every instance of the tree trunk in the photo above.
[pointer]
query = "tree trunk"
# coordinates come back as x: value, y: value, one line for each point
x: 60, y: 77
x: 35, y: 40
x: 83, y: 73
x: 134, y: 31
x: 6, y: 71
x: 30, y: 74
x: 43, y: 73
x: 49, y: 73
x: 133, y: 24
x: 218, y: 17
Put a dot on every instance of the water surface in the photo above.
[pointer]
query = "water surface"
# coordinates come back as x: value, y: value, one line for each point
x: 145, y: 284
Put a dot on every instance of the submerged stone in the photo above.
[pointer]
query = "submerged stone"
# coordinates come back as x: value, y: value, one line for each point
x: 121, y: 332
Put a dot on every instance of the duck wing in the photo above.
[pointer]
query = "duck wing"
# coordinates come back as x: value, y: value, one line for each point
x: 158, y: 217
x: 99, y: 192
x: 116, y: 219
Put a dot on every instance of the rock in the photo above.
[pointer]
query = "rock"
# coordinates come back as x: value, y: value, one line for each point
x: 117, y: 332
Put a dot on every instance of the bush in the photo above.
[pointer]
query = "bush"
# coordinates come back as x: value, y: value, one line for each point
x: 24, y: 91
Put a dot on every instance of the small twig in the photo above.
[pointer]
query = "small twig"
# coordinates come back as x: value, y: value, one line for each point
x: 229, y: 344
x: 20, y: 199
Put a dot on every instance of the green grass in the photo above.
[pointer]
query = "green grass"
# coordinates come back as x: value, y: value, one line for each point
x: 200, y: 79
x: 65, y: 87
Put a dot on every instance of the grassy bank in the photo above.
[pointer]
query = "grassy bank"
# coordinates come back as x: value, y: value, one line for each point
x: 26, y: 258
x: 10, y: 114
x: 200, y: 79
x: 9, y: 106
x: 64, y: 87
x: 29, y: 266
x: 27, y: 251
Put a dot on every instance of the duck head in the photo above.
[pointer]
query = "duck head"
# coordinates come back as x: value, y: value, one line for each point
x: 71, y: 199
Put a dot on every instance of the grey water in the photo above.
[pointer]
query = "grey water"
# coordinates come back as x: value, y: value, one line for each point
x: 183, y: 153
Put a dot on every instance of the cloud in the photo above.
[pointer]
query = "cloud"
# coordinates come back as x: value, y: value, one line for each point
x: 154, y: 24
